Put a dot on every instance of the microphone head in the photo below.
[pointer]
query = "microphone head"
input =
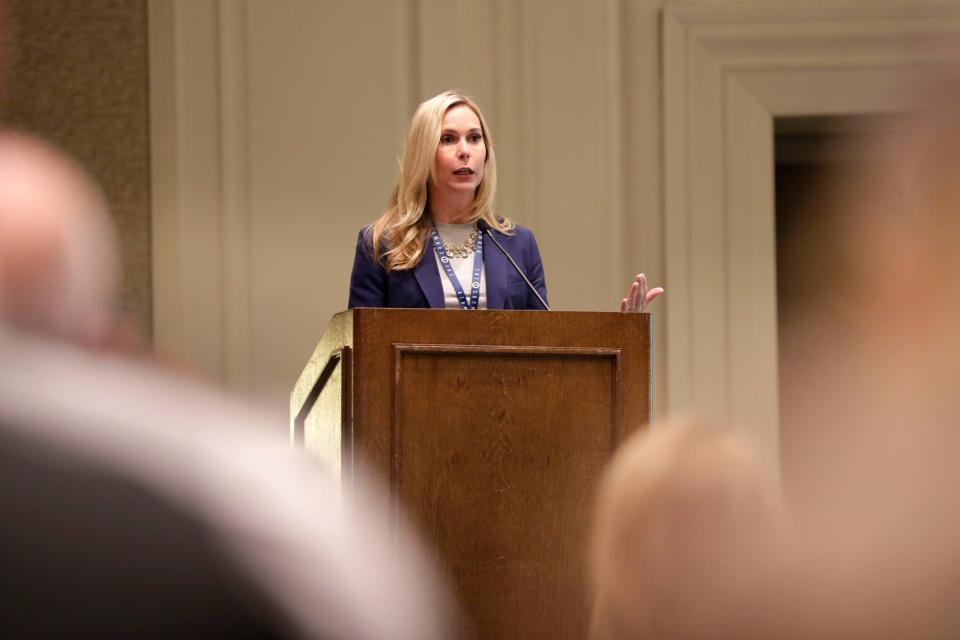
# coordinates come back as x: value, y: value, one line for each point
x: 482, y: 225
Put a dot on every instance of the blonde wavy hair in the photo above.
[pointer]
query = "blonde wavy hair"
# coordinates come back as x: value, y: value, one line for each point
x: 397, y: 238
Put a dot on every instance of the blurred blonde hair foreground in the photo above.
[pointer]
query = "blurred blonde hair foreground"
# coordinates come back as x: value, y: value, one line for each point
x: 873, y: 401
x: 683, y: 509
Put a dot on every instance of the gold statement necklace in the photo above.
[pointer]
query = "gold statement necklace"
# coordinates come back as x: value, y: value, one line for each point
x: 463, y: 249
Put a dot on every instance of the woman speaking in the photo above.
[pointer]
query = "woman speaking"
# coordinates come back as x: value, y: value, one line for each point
x: 440, y: 244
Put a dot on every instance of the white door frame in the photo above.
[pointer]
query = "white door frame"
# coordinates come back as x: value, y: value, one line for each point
x: 730, y: 68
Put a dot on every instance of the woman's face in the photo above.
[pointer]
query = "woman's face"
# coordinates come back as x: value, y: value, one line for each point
x: 461, y: 152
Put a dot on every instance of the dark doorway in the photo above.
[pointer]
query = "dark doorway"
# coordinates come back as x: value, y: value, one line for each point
x: 814, y: 160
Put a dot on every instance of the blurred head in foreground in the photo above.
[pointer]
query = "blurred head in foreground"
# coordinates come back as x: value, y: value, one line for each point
x: 872, y: 403
x: 58, y: 251
x: 143, y: 505
x: 686, y: 516
x: 139, y: 504
x: 689, y: 542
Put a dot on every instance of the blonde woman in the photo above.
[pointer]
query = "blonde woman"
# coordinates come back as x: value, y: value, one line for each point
x: 440, y: 244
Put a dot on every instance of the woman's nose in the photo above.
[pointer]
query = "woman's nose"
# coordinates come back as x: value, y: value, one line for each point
x: 463, y: 151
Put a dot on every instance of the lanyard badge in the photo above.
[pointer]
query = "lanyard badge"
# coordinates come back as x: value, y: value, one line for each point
x: 474, y: 300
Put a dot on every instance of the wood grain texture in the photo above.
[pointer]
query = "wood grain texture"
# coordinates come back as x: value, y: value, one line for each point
x: 502, y: 473
x: 492, y: 429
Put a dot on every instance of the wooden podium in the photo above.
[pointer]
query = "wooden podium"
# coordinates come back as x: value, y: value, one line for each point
x: 491, y: 429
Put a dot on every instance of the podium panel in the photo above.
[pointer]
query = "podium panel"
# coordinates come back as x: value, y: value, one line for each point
x: 491, y: 429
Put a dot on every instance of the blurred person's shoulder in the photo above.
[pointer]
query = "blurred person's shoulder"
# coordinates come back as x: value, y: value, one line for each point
x: 223, y: 470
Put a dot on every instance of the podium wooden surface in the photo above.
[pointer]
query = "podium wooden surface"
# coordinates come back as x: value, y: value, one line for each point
x: 491, y: 429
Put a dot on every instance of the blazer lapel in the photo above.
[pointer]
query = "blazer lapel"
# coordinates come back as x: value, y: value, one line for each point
x: 428, y: 277
x: 495, y: 272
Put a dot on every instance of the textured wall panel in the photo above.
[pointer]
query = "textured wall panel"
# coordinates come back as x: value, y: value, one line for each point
x: 79, y: 78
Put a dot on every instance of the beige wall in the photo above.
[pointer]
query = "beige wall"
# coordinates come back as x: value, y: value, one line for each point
x: 276, y: 129
x: 276, y: 125
x: 79, y: 78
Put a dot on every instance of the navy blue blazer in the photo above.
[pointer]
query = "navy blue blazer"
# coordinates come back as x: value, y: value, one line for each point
x: 373, y: 286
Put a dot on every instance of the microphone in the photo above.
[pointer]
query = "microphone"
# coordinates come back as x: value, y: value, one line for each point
x: 483, y: 226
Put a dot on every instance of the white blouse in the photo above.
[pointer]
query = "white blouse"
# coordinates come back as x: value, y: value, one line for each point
x: 454, y: 234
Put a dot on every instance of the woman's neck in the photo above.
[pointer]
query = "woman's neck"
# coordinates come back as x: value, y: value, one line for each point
x: 451, y: 208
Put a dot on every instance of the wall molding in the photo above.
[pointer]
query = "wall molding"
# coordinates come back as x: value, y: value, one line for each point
x: 729, y: 69
x: 199, y: 201
x: 234, y: 197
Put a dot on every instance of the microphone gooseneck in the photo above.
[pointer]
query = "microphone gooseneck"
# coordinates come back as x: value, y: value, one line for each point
x: 484, y: 227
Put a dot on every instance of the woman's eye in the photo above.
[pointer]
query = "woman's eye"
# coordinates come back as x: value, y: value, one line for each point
x: 446, y: 139
x: 476, y: 137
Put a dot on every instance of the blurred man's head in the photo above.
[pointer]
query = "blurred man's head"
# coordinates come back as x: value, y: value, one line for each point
x: 685, y: 520
x: 870, y: 369
x: 58, y: 252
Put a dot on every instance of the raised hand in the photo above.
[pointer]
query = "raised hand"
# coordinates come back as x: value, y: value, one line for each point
x: 639, y: 296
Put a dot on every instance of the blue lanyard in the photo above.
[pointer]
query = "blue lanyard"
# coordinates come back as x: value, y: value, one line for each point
x: 474, y: 301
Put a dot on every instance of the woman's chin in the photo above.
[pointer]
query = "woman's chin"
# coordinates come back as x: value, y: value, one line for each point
x: 461, y: 188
